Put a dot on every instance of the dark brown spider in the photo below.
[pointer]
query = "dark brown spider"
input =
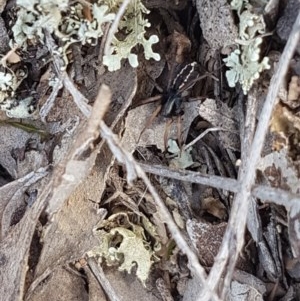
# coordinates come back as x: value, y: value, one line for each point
x: 171, y: 99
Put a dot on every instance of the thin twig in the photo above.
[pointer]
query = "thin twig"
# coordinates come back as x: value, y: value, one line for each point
x: 47, y: 106
x: 234, y: 236
x: 202, y: 135
x: 134, y: 170
x: 264, y: 193
x: 78, y: 98
x: 114, y: 27
x: 104, y: 282
x: 193, y: 177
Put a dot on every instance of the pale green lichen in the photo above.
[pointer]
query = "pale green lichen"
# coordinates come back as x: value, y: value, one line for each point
x: 251, y: 24
x: 131, y: 250
x: 71, y: 26
x: 245, y: 67
x: 245, y: 63
x: 183, y: 158
x: 135, y: 28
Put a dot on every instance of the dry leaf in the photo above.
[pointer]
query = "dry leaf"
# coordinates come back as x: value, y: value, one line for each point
x: 214, y: 207
x: 220, y: 115
x: 69, y: 285
x: 279, y: 171
x: 154, y: 134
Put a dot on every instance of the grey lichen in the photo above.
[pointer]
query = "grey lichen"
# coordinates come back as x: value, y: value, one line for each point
x: 135, y: 28
x: 69, y: 24
x: 245, y: 63
x: 9, y: 82
x: 33, y: 16
x: 72, y: 26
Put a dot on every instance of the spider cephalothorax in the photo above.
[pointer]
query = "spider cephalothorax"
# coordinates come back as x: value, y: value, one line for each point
x: 173, y: 97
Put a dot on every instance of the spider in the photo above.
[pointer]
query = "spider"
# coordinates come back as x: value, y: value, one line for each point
x: 171, y: 99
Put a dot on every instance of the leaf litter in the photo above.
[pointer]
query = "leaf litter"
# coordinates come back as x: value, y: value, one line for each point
x: 81, y: 213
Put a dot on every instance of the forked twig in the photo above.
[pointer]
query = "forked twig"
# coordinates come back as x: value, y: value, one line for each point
x: 234, y: 235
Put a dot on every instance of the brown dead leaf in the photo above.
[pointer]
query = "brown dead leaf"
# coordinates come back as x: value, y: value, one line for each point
x: 61, y: 285
x: 279, y: 171
x: 13, y: 138
x: 284, y: 121
x: 70, y: 235
x: 207, y: 238
x: 129, y: 287
x: 13, y: 198
x: 180, y: 46
x: 15, y: 250
x: 214, y: 207
x: 154, y: 134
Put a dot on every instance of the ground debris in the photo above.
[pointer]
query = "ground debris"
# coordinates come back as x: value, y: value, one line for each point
x: 79, y: 214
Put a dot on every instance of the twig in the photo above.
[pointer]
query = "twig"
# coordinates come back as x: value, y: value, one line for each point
x: 193, y: 177
x: 249, y: 123
x: 202, y: 135
x: 45, y: 109
x: 78, y: 98
x: 134, y: 170
x: 264, y: 193
x: 103, y: 43
x: 277, y: 196
x: 100, y: 276
x: 194, y: 264
x: 234, y: 235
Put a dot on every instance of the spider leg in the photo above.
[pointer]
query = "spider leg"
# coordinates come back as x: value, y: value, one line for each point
x: 167, y: 130
x: 150, y: 120
x: 179, y: 135
x: 193, y: 82
x: 147, y: 100
x: 157, y: 86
